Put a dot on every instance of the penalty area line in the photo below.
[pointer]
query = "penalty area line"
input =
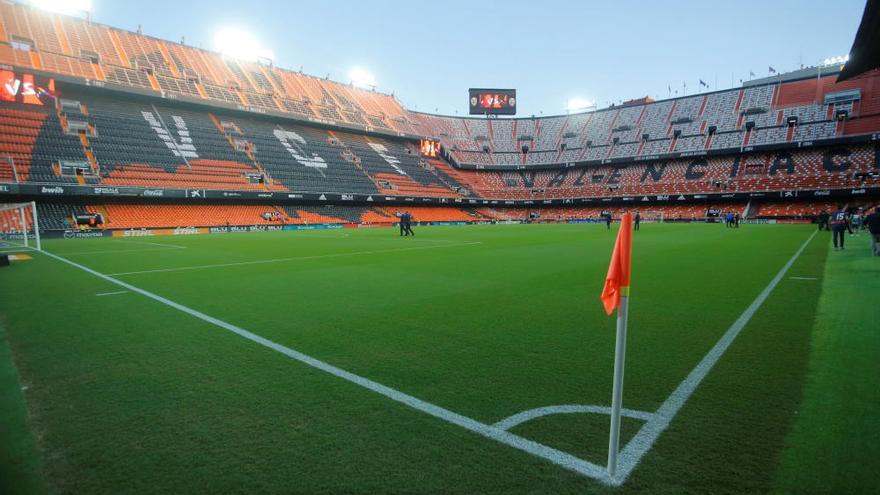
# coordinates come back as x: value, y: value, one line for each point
x: 536, y: 449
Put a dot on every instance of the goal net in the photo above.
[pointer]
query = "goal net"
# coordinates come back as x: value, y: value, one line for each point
x: 19, y: 227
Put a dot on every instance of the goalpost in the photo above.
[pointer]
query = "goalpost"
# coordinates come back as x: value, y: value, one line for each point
x: 19, y: 226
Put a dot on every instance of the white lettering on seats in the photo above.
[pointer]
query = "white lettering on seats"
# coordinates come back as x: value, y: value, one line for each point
x: 295, y: 145
x: 183, y: 147
x: 388, y: 157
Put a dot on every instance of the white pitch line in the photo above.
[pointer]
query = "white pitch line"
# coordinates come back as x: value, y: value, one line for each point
x: 292, y: 258
x: 650, y: 431
x: 803, y: 278
x: 170, y: 246
x: 520, y: 418
x: 629, y: 458
x: 112, y: 293
x: 555, y: 456
x: 107, y: 251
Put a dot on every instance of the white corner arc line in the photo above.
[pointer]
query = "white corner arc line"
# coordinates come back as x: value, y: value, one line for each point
x: 521, y: 417
x: 631, y: 454
x: 555, y: 456
x: 644, y: 439
x: 292, y: 258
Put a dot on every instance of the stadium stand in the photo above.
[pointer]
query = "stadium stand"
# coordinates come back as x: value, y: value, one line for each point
x: 138, y: 215
x: 87, y: 50
x: 729, y: 119
x: 806, y: 169
x: 149, y: 113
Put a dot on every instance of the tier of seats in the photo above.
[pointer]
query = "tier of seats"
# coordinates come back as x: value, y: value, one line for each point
x: 653, y: 213
x: 808, y: 209
x: 137, y: 143
x: 76, y: 47
x: 713, y: 121
x: 129, y: 216
x: 136, y: 216
x: 32, y: 140
x: 800, y: 170
x: 30, y: 38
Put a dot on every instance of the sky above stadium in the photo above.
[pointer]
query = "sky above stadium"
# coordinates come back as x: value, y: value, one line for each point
x: 429, y: 53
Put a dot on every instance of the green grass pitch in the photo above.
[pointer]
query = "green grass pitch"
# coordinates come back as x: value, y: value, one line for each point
x: 105, y: 390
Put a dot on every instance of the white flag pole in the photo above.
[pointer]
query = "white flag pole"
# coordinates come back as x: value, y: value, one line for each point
x: 617, y: 389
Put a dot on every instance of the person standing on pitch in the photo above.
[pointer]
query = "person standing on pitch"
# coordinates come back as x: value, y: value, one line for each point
x: 407, y: 224
x: 855, y: 222
x: 608, y: 220
x: 637, y: 220
x: 400, y: 222
x: 822, y: 220
x: 839, y: 226
x: 736, y: 219
x: 872, y: 222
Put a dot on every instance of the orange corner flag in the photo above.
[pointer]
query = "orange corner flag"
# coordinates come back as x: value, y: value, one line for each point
x: 617, y: 280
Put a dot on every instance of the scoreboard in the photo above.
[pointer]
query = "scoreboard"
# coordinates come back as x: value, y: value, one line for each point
x: 21, y: 87
x: 492, y: 101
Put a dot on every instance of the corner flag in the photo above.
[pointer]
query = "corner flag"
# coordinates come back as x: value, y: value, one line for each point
x: 616, y: 295
x: 617, y: 279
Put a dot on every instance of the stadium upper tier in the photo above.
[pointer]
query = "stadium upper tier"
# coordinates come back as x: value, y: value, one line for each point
x: 68, y: 46
x: 733, y: 119
x: 166, y: 130
x: 789, y: 112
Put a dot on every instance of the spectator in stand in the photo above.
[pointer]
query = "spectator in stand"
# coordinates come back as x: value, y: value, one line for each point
x: 872, y: 222
x: 839, y: 225
x: 638, y: 220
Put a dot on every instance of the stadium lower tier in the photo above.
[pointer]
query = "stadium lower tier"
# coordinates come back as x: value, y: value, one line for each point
x: 62, y: 216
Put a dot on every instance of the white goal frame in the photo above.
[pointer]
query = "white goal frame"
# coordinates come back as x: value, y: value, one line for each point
x: 19, y: 213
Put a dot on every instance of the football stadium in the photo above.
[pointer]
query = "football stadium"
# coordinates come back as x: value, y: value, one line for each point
x: 220, y: 274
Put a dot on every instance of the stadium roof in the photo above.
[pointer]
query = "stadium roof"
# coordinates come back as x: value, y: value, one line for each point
x: 865, y: 52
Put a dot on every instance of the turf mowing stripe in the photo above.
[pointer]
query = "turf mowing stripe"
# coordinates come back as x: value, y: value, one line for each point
x: 519, y: 418
x: 555, y: 456
x: 293, y: 258
x: 648, y: 434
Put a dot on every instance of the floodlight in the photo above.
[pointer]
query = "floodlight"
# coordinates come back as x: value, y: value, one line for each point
x: 67, y: 7
x: 235, y: 43
x: 575, y: 104
x: 362, y: 78
x: 840, y: 59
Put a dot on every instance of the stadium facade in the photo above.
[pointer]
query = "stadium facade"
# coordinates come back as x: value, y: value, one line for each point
x: 143, y: 133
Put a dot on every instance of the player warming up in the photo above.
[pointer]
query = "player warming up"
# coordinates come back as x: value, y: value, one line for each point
x: 839, y: 224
